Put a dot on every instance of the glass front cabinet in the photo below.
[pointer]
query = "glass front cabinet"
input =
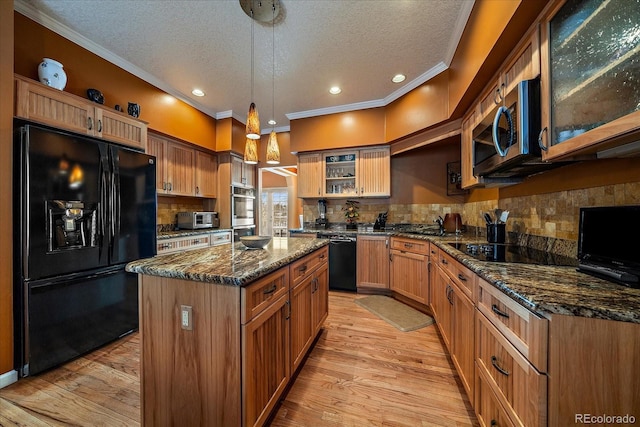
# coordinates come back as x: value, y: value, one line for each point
x: 590, y: 77
x: 340, y: 172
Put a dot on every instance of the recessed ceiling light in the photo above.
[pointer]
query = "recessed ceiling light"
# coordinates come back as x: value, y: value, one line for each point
x: 335, y: 90
x: 272, y: 122
x: 197, y: 92
x: 398, y: 78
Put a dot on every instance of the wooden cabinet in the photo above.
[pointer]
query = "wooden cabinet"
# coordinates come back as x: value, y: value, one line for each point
x: 309, y: 302
x: 374, y: 172
x: 176, y: 244
x: 372, y: 262
x: 206, y: 169
x: 490, y: 413
x: 242, y: 174
x: 265, y: 345
x: 409, y: 268
x: 469, y: 180
x: 345, y: 173
x: 454, y: 314
x: 310, y: 175
x: 589, y: 92
x: 181, y: 170
x: 43, y: 104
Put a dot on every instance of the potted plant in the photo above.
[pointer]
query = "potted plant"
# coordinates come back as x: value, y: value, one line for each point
x: 350, y: 210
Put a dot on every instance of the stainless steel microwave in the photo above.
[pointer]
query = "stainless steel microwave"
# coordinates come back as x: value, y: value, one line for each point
x: 505, y: 142
x: 195, y: 220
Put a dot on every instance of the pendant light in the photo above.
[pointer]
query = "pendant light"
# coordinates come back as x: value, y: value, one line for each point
x: 253, y: 120
x: 273, y: 151
x: 251, y: 151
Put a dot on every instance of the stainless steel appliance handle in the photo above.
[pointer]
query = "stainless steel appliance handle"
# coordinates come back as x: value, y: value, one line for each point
x: 540, y: 142
x: 502, y: 110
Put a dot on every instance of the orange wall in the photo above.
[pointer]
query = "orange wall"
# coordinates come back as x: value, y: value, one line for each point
x: 351, y: 129
x: 424, y: 106
x: 420, y: 176
x: 284, y: 142
x: 272, y: 180
x: 6, y: 138
x: 85, y: 70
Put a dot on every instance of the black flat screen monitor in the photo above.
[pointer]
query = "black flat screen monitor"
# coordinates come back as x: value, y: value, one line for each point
x: 609, y: 236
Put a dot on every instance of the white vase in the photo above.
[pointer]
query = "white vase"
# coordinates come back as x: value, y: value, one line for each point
x: 50, y: 72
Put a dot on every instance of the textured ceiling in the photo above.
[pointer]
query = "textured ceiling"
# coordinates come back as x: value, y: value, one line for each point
x: 181, y: 44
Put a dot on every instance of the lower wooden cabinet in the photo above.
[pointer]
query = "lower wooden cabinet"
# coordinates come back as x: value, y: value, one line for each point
x: 490, y: 413
x: 372, y: 262
x: 265, y: 362
x: 509, y: 377
x: 409, y: 268
x: 454, y: 314
x: 309, y: 306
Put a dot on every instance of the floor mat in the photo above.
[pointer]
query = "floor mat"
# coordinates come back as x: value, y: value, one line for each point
x: 395, y: 313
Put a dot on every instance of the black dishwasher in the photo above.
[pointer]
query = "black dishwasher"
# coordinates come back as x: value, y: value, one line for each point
x: 342, y: 261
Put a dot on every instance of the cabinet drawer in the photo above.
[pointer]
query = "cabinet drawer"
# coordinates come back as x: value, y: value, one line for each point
x: 306, y: 265
x: 410, y: 245
x: 220, y: 238
x: 166, y: 246
x: 490, y: 412
x: 464, y: 278
x: 525, y: 331
x: 520, y: 388
x: 256, y: 297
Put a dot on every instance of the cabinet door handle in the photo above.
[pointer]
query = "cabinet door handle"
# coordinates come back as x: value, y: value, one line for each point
x: 499, y: 312
x: 170, y: 187
x: 494, y: 423
x: 462, y: 277
x: 288, y: 304
x: 361, y: 190
x: 197, y: 190
x: 444, y: 261
x: 195, y: 241
x: 90, y: 123
x: 164, y: 185
x: 386, y: 243
x: 303, y: 268
x: 540, y: 141
x: 270, y: 290
x: 99, y: 125
x: 408, y: 245
x: 494, y: 362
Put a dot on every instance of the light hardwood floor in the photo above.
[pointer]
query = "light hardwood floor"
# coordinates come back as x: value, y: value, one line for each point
x: 361, y: 372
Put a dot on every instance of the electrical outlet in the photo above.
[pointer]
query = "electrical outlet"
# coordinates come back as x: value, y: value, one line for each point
x: 186, y: 317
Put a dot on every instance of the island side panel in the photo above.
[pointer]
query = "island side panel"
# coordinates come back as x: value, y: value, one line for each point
x: 189, y: 377
x: 593, y: 369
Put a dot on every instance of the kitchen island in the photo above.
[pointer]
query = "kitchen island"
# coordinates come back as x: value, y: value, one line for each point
x: 224, y: 328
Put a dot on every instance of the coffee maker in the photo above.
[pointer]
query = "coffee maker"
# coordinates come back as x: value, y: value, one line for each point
x: 321, y: 221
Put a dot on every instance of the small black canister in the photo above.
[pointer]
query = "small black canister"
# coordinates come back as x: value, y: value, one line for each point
x: 496, y: 233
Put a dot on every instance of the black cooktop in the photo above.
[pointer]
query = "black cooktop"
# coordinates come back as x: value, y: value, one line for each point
x: 496, y: 252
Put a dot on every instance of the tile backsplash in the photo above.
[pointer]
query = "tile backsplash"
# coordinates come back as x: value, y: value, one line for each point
x: 550, y: 215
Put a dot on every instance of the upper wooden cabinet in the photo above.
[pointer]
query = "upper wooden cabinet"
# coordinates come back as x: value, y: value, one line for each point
x: 242, y: 174
x: 590, y: 88
x: 43, y: 104
x: 182, y: 170
x: 310, y: 175
x: 206, y: 184
x: 466, y: 151
x: 345, y: 174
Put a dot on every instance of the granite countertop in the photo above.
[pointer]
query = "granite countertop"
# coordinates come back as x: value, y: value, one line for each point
x: 231, y: 264
x: 545, y: 290
x: 184, y: 233
x: 548, y: 290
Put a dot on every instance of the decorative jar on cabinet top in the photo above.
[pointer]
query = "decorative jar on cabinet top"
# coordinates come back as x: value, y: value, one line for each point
x: 50, y: 73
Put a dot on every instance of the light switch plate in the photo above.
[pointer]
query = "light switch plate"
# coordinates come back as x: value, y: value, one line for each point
x: 186, y: 317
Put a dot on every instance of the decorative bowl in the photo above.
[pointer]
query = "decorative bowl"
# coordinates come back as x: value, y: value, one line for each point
x: 255, y: 242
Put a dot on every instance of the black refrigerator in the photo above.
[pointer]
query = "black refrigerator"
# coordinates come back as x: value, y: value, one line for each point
x: 83, y: 208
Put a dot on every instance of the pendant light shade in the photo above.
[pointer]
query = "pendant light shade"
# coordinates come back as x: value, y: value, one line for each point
x: 253, y: 123
x: 273, y: 151
x: 251, y: 151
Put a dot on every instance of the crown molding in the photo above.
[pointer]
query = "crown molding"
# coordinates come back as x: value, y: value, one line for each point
x: 45, y: 20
